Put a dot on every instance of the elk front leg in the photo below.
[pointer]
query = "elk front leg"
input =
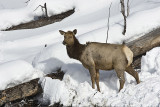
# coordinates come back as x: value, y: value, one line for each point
x: 120, y: 74
x: 97, y: 79
x: 93, y: 76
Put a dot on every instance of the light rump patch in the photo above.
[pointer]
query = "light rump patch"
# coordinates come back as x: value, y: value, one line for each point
x: 129, y: 55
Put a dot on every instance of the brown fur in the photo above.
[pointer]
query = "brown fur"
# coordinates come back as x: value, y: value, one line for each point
x: 104, y: 56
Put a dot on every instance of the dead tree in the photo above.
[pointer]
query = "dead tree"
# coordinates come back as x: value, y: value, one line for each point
x: 124, y: 16
x: 43, y: 7
x: 108, y: 21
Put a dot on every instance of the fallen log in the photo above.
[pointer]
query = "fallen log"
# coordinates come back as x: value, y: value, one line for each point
x: 25, y: 90
x: 20, y: 91
x: 42, y: 21
x: 143, y: 44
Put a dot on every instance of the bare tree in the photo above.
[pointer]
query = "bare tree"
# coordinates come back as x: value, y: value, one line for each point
x: 124, y: 16
x: 108, y: 21
x: 45, y: 7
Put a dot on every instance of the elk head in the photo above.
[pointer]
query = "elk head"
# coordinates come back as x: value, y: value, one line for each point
x: 69, y: 37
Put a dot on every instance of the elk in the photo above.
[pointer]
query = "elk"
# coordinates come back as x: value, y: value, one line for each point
x: 100, y: 56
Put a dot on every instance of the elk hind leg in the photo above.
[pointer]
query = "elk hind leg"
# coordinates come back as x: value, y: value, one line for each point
x: 132, y: 72
x: 120, y: 74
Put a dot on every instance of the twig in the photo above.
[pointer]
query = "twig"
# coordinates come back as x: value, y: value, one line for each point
x: 128, y: 10
x: 108, y: 21
x: 27, y: 1
x: 39, y: 6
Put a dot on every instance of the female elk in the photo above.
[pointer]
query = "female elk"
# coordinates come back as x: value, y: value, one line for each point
x: 104, y: 56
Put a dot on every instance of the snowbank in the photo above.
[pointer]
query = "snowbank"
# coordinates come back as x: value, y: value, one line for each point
x: 16, y: 72
x: 151, y: 63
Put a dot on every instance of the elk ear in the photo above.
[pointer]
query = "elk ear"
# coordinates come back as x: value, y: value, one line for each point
x: 75, y: 31
x: 61, y: 32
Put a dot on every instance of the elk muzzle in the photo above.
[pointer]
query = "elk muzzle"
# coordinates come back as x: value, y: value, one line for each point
x: 64, y: 43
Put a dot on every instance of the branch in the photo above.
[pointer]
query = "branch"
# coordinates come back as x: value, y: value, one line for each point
x: 45, y: 7
x: 27, y: 1
x: 128, y: 10
x: 39, y: 6
x: 108, y: 21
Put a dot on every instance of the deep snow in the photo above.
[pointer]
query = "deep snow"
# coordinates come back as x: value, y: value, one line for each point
x: 24, y: 57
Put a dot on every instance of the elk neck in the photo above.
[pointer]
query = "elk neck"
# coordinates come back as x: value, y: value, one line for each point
x: 75, y: 51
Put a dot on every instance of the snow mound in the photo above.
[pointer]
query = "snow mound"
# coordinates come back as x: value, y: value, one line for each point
x: 16, y: 72
x: 151, y: 63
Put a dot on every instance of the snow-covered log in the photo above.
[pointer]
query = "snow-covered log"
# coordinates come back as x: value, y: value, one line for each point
x: 25, y: 90
x: 143, y: 44
x: 20, y: 91
x: 42, y: 21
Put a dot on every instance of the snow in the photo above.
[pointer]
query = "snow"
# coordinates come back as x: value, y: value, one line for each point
x: 12, y: 4
x: 24, y: 57
x: 16, y: 72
